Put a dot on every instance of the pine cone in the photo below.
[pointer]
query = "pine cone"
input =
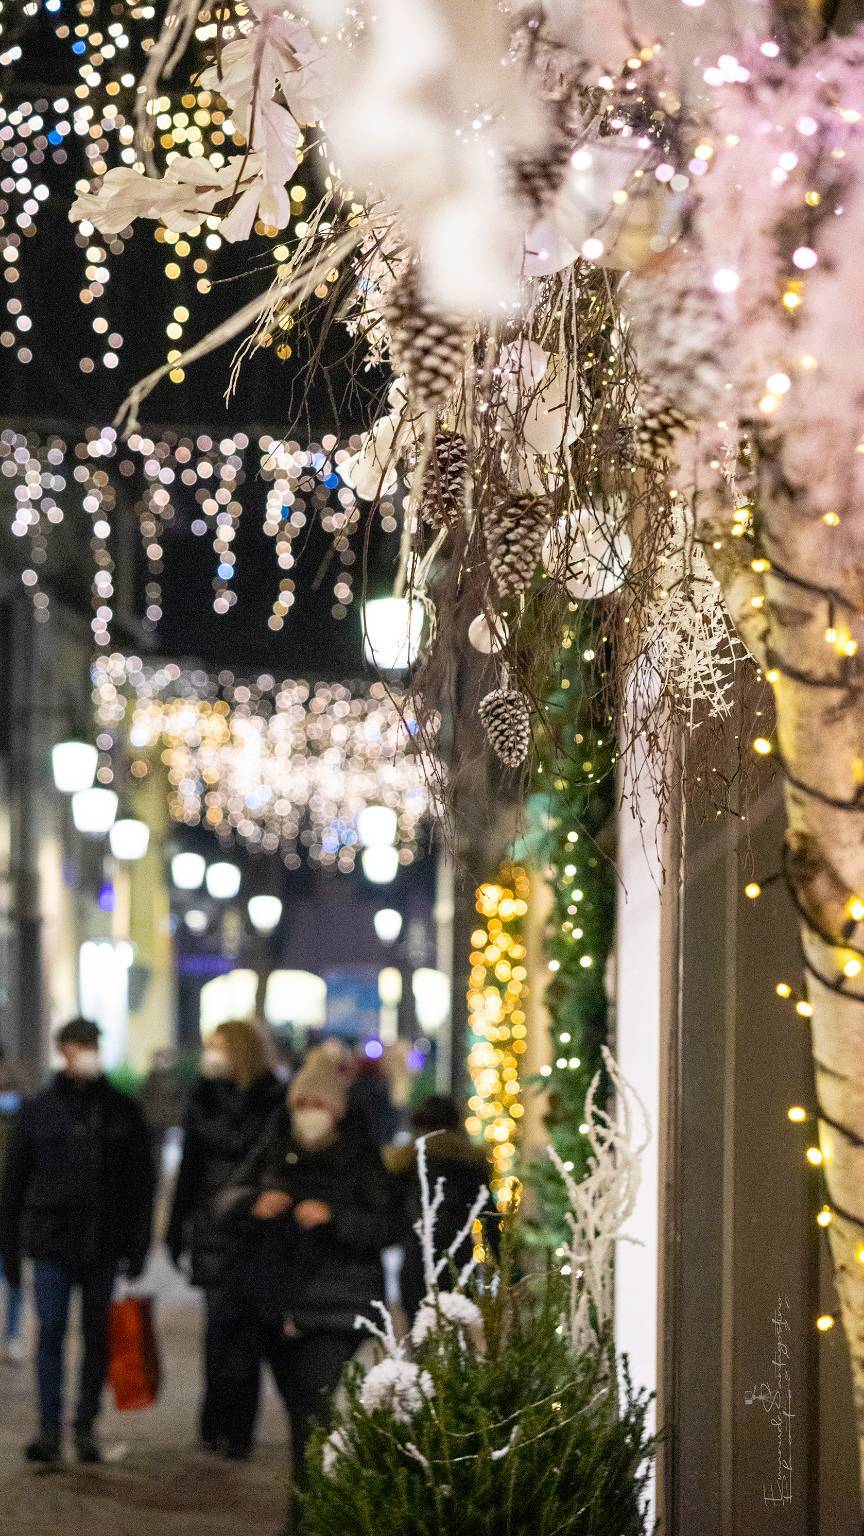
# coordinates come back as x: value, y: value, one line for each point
x: 536, y: 178
x: 428, y: 347
x: 515, y: 529
x: 507, y: 723
x: 656, y: 431
x: 443, y: 498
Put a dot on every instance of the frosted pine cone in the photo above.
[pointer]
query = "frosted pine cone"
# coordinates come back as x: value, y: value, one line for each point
x: 537, y: 177
x: 515, y: 529
x: 657, y: 429
x: 428, y: 347
x: 682, y: 341
x: 443, y: 497
x: 507, y: 723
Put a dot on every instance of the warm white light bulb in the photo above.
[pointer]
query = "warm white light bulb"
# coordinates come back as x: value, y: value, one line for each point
x: 388, y: 924
x: 392, y: 628
x: 377, y: 824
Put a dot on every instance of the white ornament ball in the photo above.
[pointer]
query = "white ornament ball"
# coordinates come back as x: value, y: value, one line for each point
x: 587, y: 557
x: 488, y: 638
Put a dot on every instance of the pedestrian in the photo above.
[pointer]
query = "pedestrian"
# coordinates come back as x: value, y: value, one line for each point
x: 229, y: 1109
x: 322, y: 1210
x: 10, y: 1104
x: 77, y: 1199
x: 163, y: 1099
x: 463, y: 1170
x: 369, y: 1096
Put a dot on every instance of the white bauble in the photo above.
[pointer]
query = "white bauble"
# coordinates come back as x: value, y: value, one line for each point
x: 587, y: 557
x: 488, y: 638
x: 371, y: 471
x: 547, y: 249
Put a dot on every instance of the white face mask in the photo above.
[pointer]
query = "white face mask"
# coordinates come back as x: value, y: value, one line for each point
x: 214, y: 1063
x: 312, y: 1127
x: 86, y: 1064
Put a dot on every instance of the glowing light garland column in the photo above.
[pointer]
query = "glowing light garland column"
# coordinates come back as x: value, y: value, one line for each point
x: 496, y: 1017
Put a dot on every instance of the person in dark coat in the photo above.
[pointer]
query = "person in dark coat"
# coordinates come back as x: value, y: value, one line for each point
x: 77, y: 1198
x: 230, y: 1106
x: 464, y: 1169
x: 320, y: 1209
x: 369, y: 1096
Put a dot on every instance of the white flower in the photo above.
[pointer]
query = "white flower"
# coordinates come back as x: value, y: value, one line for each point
x: 449, y: 1309
x: 334, y: 1446
x: 398, y: 1386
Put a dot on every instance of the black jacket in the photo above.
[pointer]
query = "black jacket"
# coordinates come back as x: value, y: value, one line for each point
x: 465, y: 1171
x: 322, y: 1278
x: 223, y: 1124
x: 79, y: 1178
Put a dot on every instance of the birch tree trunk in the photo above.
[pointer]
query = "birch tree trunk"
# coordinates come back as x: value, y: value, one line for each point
x: 803, y: 620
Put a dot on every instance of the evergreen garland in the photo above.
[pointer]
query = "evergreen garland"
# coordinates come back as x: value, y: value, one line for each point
x: 569, y: 812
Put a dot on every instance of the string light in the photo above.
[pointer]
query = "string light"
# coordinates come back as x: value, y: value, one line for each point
x: 284, y: 767
x: 796, y: 1114
x: 814, y: 1157
x: 496, y: 1016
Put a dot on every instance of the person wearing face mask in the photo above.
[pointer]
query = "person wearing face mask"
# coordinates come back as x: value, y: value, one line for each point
x: 229, y: 1108
x: 319, y: 1212
x: 77, y: 1198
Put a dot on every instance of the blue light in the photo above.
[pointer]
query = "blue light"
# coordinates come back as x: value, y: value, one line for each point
x: 79, y: 47
x: 53, y: 5
x: 374, y: 1049
x: 331, y: 481
x: 225, y: 572
x: 107, y: 897
x: 54, y: 137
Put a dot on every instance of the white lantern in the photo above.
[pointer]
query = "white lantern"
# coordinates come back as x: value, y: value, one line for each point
x: 380, y: 863
x: 488, y: 638
x: 196, y: 920
x: 129, y: 838
x: 264, y: 912
x: 188, y: 870
x: 431, y: 991
x: 73, y: 764
x: 223, y: 880
x: 94, y: 810
x: 392, y: 627
x: 296, y: 997
x: 388, y: 924
x: 588, y: 558
x: 377, y: 824
x: 390, y: 986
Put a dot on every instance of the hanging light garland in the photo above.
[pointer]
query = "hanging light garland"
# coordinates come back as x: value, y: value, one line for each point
x: 497, y: 1021
x: 284, y: 767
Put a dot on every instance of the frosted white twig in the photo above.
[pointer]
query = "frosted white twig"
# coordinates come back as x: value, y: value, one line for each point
x: 429, y: 1207
x: 601, y: 1203
x: 385, y: 1335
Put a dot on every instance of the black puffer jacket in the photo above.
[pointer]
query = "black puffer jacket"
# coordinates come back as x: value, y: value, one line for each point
x: 322, y: 1278
x: 79, y: 1178
x: 465, y: 1171
x: 223, y: 1124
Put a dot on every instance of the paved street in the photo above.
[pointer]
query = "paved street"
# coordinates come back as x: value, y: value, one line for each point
x: 156, y: 1482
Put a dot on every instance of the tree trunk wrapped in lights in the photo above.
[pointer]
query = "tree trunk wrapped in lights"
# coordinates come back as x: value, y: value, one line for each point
x: 808, y: 638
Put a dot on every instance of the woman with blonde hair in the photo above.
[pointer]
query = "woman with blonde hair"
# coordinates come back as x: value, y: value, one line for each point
x: 229, y: 1109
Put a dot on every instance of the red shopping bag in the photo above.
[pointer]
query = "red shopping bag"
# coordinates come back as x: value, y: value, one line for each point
x: 133, y: 1359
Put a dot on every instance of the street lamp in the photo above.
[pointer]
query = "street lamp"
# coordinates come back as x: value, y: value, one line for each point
x: 388, y: 924
x: 223, y: 880
x: 73, y: 764
x: 380, y: 863
x: 187, y: 871
x: 196, y: 920
x: 392, y: 628
x: 94, y: 810
x: 377, y: 824
x: 264, y: 913
x: 129, y: 838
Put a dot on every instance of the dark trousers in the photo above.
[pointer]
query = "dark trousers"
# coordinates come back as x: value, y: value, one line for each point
x: 232, y: 1371
x: 53, y: 1285
x: 304, y: 1370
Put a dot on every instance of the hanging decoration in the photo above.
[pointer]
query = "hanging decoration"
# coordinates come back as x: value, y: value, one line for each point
x: 285, y: 767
